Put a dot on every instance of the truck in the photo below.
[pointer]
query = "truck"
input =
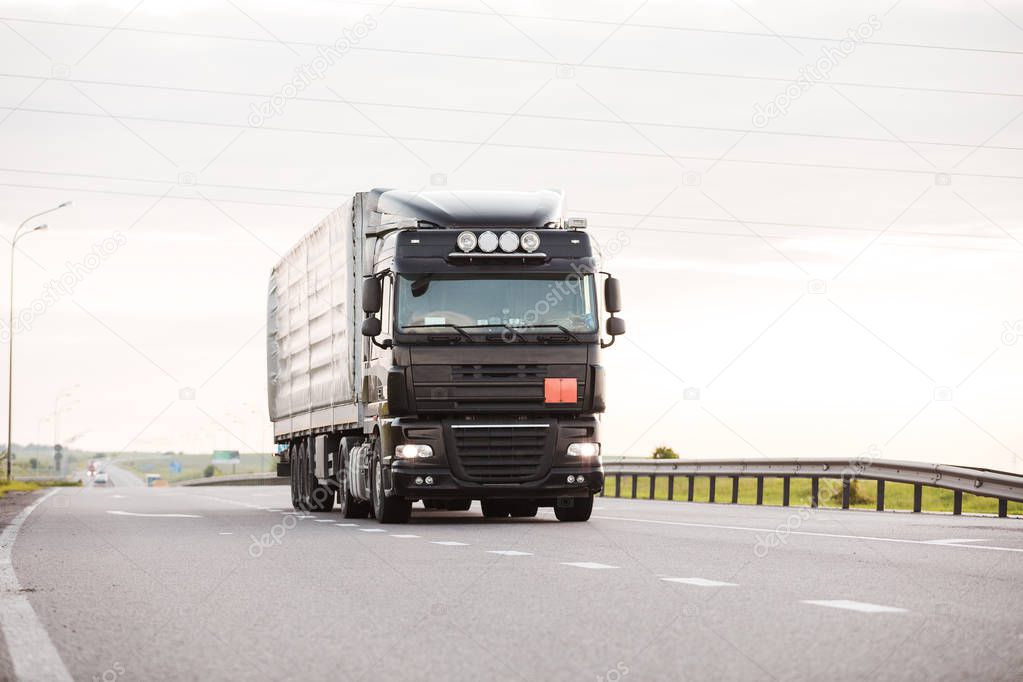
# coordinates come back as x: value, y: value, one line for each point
x: 441, y: 347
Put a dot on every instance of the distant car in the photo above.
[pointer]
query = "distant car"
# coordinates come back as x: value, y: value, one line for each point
x: 101, y: 478
x: 151, y: 479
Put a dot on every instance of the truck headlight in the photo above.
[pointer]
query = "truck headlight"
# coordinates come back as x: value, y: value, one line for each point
x: 487, y: 242
x: 530, y: 242
x: 583, y: 449
x: 467, y: 241
x: 509, y: 242
x: 412, y: 451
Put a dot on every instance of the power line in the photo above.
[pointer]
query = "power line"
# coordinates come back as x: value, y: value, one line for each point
x: 158, y: 196
x: 578, y: 150
x: 520, y: 60
x: 490, y: 112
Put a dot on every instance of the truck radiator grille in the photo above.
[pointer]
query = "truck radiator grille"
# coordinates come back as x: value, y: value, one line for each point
x: 491, y: 387
x: 501, y: 453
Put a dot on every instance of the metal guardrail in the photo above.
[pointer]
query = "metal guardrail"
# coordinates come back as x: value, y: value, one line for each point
x: 269, y: 478
x: 997, y: 484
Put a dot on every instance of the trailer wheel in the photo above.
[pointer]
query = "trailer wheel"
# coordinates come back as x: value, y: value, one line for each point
x: 387, y: 509
x: 573, y: 508
x: 293, y: 479
x: 349, y: 506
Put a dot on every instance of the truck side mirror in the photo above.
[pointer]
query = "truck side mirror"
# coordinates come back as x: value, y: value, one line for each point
x: 371, y: 327
x: 372, y: 297
x: 612, y: 295
x: 615, y: 326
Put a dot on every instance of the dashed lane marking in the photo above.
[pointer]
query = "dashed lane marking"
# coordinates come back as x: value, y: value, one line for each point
x: 155, y: 516
x: 862, y: 607
x: 587, y: 564
x: 403, y: 535
x: 347, y: 525
x: 373, y: 530
x: 699, y: 582
x: 449, y: 543
x: 508, y: 552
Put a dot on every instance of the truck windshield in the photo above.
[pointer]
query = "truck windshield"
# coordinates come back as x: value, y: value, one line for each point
x: 433, y: 303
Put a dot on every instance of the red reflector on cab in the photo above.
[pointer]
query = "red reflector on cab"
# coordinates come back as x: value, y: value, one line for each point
x: 560, y: 390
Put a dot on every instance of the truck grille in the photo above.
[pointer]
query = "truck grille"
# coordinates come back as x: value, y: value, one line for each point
x: 491, y: 387
x: 501, y: 453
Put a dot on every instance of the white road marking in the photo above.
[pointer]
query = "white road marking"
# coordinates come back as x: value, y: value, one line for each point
x: 699, y: 582
x: 346, y: 525
x: 117, y: 497
x: 862, y: 607
x: 951, y: 541
x: 324, y: 521
x: 225, y: 533
x: 769, y: 531
x: 587, y: 564
x: 403, y: 535
x: 508, y: 552
x: 373, y: 530
x: 32, y: 654
x: 449, y: 543
x: 273, y: 510
x: 155, y: 516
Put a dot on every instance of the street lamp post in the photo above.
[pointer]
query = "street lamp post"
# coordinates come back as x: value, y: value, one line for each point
x: 18, y: 234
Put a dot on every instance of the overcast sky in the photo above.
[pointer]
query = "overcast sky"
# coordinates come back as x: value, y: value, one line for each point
x: 821, y: 241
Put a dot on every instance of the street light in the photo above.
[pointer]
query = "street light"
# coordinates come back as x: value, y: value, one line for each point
x: 18, y: 234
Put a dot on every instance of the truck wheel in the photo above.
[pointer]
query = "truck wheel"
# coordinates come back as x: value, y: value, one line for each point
x: 523, y: 509
x: 387, y: 509
x: 574, y: 508
x: 302, y: 478
x: 495, y: 509
x: 348, y: 505
x: 322, y: 497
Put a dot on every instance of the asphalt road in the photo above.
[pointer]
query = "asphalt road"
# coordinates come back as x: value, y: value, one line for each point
x: 226, y: 583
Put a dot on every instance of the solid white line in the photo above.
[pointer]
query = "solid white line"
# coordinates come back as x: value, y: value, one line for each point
x: 786, y: 531
x: 449, y: 543
x: 403, y: 535
x: 862, y: 607
x: 508, y: 552
x: 33, y: 656
x: 586, y: 564
x: 951, y: 541
x: 156, y: 516
x: 699, y: 582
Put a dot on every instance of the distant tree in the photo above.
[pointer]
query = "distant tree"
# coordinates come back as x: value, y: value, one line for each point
x: 34, y: 463
x: 664, y: 452
x: 209, y: 471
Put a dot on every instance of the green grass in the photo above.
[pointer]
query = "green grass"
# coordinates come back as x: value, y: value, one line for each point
x: 192, y: 466
x: 29, y: 486
x: 898, y: 496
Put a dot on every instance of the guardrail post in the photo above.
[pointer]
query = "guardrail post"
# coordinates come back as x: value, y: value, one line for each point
x: 653, y: 485
x: 815, y: 490
x: 880, y: 495
x: 635, y: 485
x: 1003, y: 507
x: 671, y: 487
x: 957, y: 502
x: 692, y: 486
x: 713, y: 488
x: 618, y: 485
x: 786, y: 490
x: 760, y: 489
x: 918, y: 497
x: 735, y: 490
x: 846, y: 485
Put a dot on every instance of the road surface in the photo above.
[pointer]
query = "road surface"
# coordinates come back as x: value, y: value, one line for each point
x: 227, y: 582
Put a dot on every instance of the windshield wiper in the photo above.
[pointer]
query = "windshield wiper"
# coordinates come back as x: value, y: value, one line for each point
x: 461, y: 330
x: 559, y: 327
x: 484, y: 326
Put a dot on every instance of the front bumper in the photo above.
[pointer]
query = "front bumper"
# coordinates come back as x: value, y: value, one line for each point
x: 447, y: 485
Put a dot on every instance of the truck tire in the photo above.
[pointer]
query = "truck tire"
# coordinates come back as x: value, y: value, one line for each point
x: 523, y: 509
x: 321, y: 499
x: 293, y: 479
x: 573, y: 508
x: 495, y: 509
x: 387, y: 509
x: 349, y: 506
